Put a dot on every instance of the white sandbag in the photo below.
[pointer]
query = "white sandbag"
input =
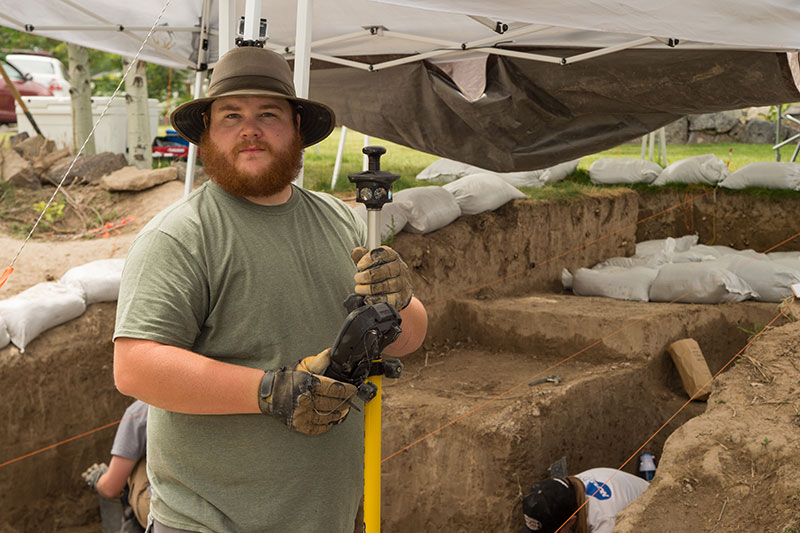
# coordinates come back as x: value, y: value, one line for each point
x: 393, y: 218
x: 662, y: 247
x: 40, y: 308
x: 693, y: 256
x: 715, y: 251
x: 668, y: 247
x: 701, y: 283
x: 615, y: 282
x: 784, y: 255
x: 4, y: 337
x: 768, y: 174
x: 566, y: 279
x: 560, y: 171
x: 477, y: 193
x: 445, y: 170
x: 528, y: 178
x: 539, y: 178
x: 99, y: 280
x: 623, y: 170
x: 428, y: 208
x: 792, y: 263
x: 649, y: 261
x: 770, y: 279
x: 752, y: 254
x: 706, y: 168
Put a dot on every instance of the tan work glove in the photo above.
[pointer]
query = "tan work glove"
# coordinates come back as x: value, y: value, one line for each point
x: 382, y: 277
x: 93, y: 474
x: 315, y: 364
x: 305, y: 402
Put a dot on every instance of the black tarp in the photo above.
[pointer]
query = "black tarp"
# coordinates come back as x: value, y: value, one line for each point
x: 536, y: 114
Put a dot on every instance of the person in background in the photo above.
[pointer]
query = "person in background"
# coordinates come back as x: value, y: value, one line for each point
x: 125, y: 476
x: 552, y: 503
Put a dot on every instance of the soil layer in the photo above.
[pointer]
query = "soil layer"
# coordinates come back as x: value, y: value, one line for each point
x: 464, y: 433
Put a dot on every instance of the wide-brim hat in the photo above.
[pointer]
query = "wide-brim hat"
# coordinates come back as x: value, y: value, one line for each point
x: 253, y: 71
x: 548, y: 505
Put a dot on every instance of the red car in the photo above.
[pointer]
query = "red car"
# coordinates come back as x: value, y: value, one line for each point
x: 25, y: 86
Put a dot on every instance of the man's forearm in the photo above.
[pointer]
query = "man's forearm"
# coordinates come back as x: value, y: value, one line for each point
x: 112, y: 482
x: 183, y: 381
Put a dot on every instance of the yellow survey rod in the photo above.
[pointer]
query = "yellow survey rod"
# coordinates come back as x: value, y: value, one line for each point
x: 372, y: 460
x: 372, y: 418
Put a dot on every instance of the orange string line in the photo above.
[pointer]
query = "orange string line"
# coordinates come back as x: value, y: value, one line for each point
x: 569, y: 357
x: 51, y: 446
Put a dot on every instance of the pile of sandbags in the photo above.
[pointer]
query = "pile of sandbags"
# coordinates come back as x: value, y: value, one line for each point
x: 446, y: 170
x: 24, y: 316
x: 427, y: 209
x: 680, y: 270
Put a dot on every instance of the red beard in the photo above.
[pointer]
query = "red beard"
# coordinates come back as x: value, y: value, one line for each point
x: 282, y: 170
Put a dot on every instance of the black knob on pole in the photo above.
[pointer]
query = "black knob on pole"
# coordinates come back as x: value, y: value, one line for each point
x: 374, y: 186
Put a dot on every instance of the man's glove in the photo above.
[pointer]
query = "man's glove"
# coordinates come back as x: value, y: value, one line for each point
x: 315, y: 364
x: 93, y: 473
x: 382, y: 277
x: 305, y: 402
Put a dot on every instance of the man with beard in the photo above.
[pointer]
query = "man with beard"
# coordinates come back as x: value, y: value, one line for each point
x: 225, y: 298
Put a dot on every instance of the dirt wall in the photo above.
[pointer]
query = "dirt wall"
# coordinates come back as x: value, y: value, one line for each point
x: 519, y: 248
x: 737, y: 219
x: 62, y: 386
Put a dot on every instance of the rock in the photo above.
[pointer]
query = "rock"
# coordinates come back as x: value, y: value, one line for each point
x: 708, y: 137
x: 42, y: 164
x: 721, y: 122
x: 135, y: 179
x: 200, y: 175
x: 18, y: 138
x: 678, y: 131
x: 36, y: 146
x: 17, y: 171
x: 757, y: 132
x: 88, y: 168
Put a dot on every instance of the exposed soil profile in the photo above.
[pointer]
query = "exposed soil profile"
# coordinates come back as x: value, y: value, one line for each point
x: 464, y: 433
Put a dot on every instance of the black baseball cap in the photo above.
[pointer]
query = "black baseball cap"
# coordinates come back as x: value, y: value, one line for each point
x: 548, y: 505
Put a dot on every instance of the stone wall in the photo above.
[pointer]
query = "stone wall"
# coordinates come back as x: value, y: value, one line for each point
x: 754, y: 125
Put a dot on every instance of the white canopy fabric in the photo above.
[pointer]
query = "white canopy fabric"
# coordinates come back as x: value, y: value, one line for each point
x: 764, y: 25
x: 502, y: 84
x: 418, y: 26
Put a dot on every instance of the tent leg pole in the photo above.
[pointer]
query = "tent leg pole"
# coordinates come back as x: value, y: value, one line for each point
x: 644, y: 146
x: 338, y: 163
x: 191, y: 158
x: 650, y: 144
x: 662, y: 137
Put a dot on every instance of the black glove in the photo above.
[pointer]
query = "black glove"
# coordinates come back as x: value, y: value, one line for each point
x: 382, y: 277
x: 305, y: 402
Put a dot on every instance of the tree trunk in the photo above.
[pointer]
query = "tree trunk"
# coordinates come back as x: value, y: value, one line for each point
x: 81, y: 95
x: 140, y: 144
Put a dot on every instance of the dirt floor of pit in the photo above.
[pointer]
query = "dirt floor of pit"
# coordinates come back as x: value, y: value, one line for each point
x: 465, y: 363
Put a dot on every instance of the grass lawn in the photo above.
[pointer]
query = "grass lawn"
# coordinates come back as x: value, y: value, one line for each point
x: 319, y: 163
x: 408, y: 163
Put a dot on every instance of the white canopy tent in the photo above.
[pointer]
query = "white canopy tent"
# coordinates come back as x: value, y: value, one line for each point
x: 455, y: 36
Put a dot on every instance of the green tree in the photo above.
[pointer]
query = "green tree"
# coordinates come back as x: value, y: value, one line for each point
x: 105, y: 68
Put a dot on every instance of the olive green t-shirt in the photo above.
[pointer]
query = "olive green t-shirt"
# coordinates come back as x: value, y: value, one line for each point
x: 258, y: 286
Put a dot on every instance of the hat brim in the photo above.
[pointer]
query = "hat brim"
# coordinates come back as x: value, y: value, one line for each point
x: 316, y: 120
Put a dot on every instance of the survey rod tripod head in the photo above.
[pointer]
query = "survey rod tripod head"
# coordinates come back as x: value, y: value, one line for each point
x: 373, y: 186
